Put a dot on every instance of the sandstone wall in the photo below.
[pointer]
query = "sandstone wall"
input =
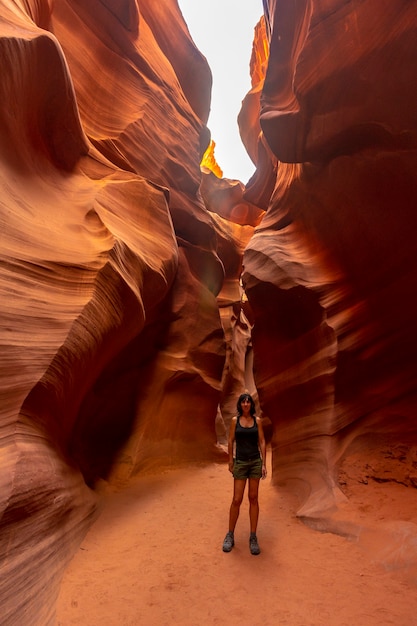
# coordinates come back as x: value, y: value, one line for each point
x: 126, y: 334
x: 112, y: 343
x: 330, y: 272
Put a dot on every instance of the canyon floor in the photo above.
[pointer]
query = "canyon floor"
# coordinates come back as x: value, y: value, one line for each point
x: 154, y: 557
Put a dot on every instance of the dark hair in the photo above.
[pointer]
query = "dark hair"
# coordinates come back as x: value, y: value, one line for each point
x: 245, y: 396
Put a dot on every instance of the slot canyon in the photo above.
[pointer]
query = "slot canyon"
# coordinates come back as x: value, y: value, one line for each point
x: 142, y: 292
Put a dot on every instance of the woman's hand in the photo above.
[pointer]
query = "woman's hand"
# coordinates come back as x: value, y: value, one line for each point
x: 263, y: 471
x: 231, y: 466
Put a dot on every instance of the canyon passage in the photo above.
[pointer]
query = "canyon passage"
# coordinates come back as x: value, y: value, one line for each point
x: 141, y: 292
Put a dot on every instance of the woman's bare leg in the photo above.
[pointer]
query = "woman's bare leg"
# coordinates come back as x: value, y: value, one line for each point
x: 238, y: 491
x: 253, y: 503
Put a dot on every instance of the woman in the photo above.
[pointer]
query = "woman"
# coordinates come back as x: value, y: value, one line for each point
x: 250, y: 464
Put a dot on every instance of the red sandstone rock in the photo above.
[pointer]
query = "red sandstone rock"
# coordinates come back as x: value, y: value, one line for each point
x: 121, y: 262
x: 109, y: 270
x: 330, y: 271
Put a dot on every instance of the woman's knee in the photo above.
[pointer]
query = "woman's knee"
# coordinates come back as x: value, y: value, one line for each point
x: 253, y: 498
x: 237, y: 501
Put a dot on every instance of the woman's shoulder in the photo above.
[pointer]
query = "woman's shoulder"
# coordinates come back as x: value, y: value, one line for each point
x: 234, y: 419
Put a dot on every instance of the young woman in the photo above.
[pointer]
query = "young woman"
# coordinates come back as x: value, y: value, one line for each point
x: 246, y: 434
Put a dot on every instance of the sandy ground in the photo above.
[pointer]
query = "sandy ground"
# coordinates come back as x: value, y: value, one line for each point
x: 154, y: 557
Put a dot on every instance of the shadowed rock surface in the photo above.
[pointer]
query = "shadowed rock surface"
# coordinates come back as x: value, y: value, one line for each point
x: 126, y: 334
x: 330, y: 272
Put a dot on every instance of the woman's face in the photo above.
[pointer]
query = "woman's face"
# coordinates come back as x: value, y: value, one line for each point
x: 245, y: 404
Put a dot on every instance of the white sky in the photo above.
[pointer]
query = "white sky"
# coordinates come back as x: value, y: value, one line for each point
x: 223, y: 32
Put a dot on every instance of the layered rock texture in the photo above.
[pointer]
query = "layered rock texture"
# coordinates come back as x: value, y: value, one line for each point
x: 126, y: 334
x: 112, y: 343
x: 331, y: 271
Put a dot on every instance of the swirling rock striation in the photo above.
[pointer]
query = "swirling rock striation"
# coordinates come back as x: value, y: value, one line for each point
x: 330, y: 272
x: 109, y: 271
x: 125, y: 330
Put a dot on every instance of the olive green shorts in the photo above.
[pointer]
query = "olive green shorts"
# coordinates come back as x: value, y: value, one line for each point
x: 247, y: 469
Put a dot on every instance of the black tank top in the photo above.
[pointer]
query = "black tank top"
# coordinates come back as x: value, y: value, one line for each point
x: 246, y: 441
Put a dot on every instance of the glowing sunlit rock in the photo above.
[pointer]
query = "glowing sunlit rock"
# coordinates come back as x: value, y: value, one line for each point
x: 209, y: 161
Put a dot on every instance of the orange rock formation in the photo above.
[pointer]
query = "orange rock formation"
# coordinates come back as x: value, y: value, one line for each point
x: 113, y: 348
x: 126, y: 333
x: 329, y: 272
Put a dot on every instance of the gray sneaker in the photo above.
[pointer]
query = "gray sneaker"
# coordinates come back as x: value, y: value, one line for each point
x: 253, y: 544
x: 228, y: 542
